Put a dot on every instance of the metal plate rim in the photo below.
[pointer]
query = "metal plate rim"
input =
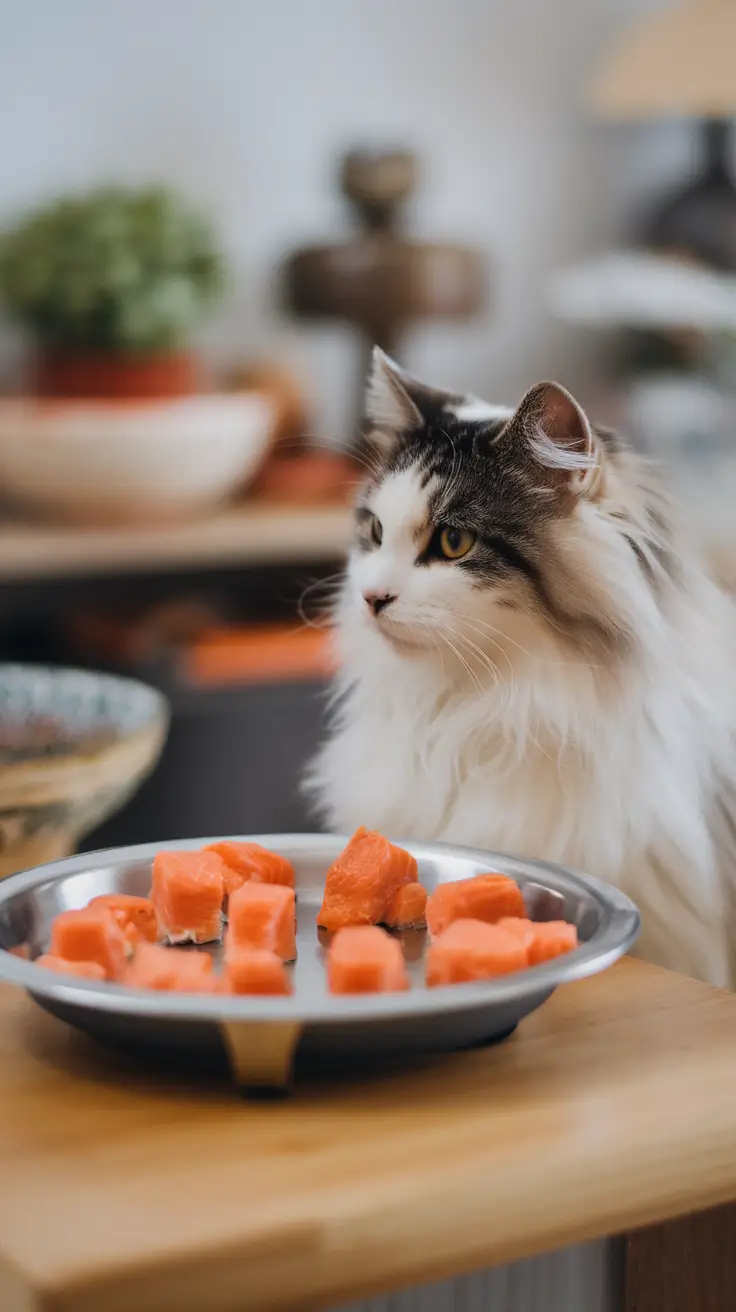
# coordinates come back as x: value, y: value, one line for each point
x: 620, y: 928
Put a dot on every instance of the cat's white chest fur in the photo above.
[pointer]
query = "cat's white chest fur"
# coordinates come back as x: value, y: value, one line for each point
x: 444, y: 764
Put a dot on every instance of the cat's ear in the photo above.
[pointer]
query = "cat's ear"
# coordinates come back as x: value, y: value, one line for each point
x: 553, y: 432
x: 396, y: 403
x: 388, y: 404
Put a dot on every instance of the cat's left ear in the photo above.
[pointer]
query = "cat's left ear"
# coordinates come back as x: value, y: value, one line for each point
x: 397, y: 403
x: 555, y: 435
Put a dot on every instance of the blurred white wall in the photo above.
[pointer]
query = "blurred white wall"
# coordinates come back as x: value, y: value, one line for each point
x: 245, y: 106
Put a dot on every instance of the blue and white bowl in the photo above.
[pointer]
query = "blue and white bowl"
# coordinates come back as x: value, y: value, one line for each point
x: 74, y: 746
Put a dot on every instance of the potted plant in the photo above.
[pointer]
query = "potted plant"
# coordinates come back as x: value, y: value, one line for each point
x: 110, y: 286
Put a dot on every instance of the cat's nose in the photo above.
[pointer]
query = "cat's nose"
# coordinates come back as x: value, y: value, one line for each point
x: 378, y: 601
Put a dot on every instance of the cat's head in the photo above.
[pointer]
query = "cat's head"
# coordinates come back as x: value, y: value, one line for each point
x: 488, y: 530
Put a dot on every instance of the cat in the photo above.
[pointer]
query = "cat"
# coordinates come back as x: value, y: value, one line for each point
x: 533, y: 659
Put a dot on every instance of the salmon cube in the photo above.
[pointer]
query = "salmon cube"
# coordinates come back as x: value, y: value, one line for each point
x: 408, y: 908
x: 246, y: 861
x: 263, y: 916
x: 254, y: 970
x: 175, y: 970
x: 471, y: 950
x: 90, y: 935
x: 552, y: 938
x: 482, y: 897
x: 136, y: 916
x: 187, y: 894
x: 83, y: 969
x: 521, y: 928
x: 365, y: 959
x: 363, y: 881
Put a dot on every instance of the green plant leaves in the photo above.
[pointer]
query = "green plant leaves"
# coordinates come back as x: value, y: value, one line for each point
x: 115, y: 270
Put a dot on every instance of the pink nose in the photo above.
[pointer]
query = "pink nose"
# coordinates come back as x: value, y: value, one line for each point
x: 378, y: 601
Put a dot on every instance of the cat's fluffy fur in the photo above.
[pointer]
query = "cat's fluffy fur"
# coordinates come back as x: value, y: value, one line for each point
x: 567, y: 690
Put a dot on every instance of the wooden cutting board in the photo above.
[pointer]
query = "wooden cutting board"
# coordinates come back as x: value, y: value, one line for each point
x: 120, y: 1188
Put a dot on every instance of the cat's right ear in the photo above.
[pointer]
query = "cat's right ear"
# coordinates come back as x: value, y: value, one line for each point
x: 552, y: 431
x: 389, y: 408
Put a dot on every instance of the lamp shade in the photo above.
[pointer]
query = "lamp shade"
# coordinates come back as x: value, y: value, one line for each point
x: 681, y: 62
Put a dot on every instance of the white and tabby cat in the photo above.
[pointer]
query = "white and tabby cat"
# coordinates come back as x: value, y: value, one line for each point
x: 534, y: 660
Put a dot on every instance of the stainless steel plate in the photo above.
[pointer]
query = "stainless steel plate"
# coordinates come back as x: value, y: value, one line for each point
x: 261, y: 1035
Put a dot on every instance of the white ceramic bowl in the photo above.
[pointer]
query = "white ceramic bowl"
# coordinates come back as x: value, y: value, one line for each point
x: 123, y: 462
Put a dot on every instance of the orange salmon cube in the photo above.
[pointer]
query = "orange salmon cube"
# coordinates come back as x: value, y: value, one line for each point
x: 83, y: 969
x: 363, y: 881
x: 246, y: 861
x: 365, y: 959
x: 187, y: 894
x: 136, y: 916
x: 471, y: 950
x: 254, y: 970
x: 263, y: 916
x: 174, y: 970
x: 482, y: 897
x: 552, y: 938
x: 521, y: 928
x: 90, y: 935
x: 408, y: 908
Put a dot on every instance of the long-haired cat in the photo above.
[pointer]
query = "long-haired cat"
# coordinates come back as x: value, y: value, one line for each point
x: 532, y: 659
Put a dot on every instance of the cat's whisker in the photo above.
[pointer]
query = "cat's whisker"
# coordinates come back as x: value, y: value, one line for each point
x: 470, y: 671
x: 461, y: 658
x: 449, y: 491
x: 495, y: 644
x: 325, y: 593
x: 485, y: 661
x: 522, y: 740
x: 475, y: 629
x: 312, y: 441
x: 438, y: 649
x: 483, y: 657
x: 534, y: 656
x: 476, y: 655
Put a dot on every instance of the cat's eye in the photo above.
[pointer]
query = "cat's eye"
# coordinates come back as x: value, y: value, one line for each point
x: 376, y: 531
x: 454, y: 543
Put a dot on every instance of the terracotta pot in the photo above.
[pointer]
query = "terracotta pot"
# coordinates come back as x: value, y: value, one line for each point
x: 111, y: 375
x: 308, y: 478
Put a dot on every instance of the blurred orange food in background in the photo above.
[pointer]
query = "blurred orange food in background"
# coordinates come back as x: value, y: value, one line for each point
x: 267, y: 653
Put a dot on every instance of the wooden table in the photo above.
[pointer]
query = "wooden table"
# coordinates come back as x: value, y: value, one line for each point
x: 613, y: 1107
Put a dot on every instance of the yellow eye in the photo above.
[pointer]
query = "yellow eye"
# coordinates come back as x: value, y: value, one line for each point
x: 454, y: 543
x: 376, y: 531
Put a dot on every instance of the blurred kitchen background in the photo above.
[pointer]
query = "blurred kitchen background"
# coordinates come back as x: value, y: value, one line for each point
x: 208, y: 211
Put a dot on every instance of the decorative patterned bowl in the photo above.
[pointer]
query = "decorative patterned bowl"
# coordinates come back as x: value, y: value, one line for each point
x: 74, y: 746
